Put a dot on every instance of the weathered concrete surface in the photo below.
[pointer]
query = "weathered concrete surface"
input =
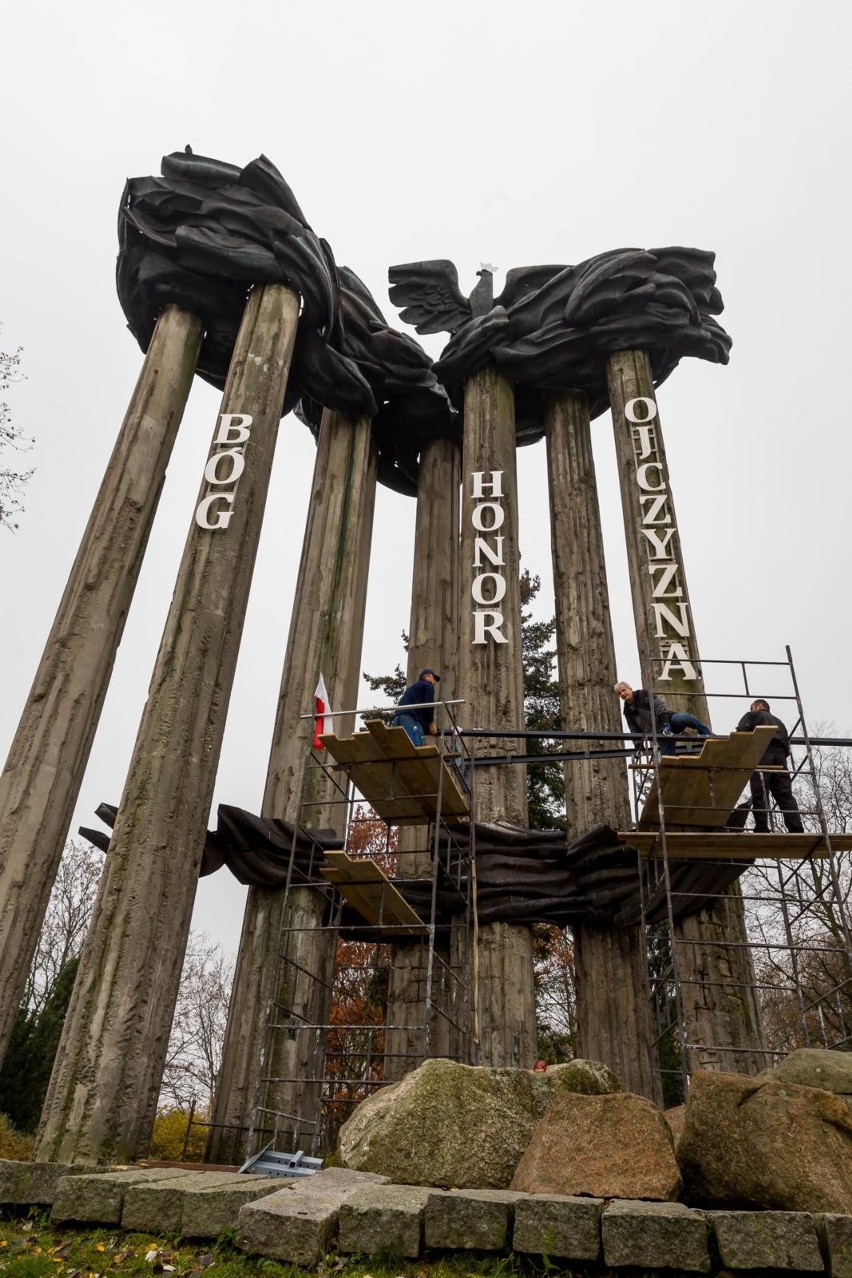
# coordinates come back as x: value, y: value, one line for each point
x: 384, y: 1218
x: 299, y: 1223
x: 48, y: 756
x: 156, y: 1206
x: 432, y: 641
x: 470, y: 1219
x: 717, y: 980
x: 207, y: 1211
x: 768, y: 1145
x: 100, y: 1199
x: 455, y: 1126
x: 613, y: 1007
x: 605, y: 1146
x: 201, y: 1205
x: 490, y: 679
x: 326, y: 634
x: 102, y: 1097
x: 558, y: 1226
x: 34, y: 1184
x: 835, y: 1235
x: 814, y: 1067
x: 782, y: 1240
x: 655, y: 1236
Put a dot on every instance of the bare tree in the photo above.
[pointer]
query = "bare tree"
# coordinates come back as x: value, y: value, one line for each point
x: 12, y: 478
x: 198, y: 1028
x: 800, y: 920
x: 555, y: 991
x: 67, y: 919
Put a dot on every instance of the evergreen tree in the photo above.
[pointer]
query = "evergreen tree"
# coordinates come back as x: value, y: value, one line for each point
x: 29, y: 1060
x: 545, y: 781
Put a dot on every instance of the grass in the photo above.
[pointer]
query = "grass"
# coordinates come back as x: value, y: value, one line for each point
x: 33, y: 1248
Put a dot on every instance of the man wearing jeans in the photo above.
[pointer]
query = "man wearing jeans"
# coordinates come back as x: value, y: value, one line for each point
x: 418, y: 722
x: 776, y: 783
x: 637, y: 712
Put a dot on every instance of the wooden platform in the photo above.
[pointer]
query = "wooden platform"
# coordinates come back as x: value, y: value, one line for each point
x: 372, y: 894
x: 400, y: 780
x: 734, y: 845
x: 700, y: 790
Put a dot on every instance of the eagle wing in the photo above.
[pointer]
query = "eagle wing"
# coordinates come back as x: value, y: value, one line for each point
x: 428, y: 296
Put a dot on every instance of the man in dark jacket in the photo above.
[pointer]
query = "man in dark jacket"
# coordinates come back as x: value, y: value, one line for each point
x: 777, y: 783
x: 418, y: 722
x: 637, y: 712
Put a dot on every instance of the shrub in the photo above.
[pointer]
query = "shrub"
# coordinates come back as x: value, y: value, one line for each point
x: 170, y: 1132
x: 14, y: 1144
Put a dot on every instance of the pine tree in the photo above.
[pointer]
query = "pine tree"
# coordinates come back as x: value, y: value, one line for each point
x: 545, y: 781
x: 32, y: 1048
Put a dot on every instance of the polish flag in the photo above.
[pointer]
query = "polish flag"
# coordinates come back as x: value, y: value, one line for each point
x: 323, y: 721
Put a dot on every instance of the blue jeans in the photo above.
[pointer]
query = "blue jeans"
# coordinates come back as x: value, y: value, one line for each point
x: 677, y: 723
x: 412, y: 726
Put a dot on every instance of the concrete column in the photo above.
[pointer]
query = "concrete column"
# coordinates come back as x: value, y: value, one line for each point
x: 48, y: 757
x: 668, y: 652
x: 103, y: 1092
x: 285, y: 961
x: 613, y: 1009
x: 433, y: 641
x: 490, y: 679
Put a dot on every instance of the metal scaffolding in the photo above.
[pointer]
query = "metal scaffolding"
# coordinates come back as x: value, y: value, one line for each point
x: 796, y: 965
x: 398, y: 894
x: 399, y: 869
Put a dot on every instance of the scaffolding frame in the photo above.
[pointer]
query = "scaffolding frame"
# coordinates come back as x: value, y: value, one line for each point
x: 351, y: 1057
x: 787, y: 906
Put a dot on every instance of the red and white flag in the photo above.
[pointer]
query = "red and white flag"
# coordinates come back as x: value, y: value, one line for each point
x: 323, y: 721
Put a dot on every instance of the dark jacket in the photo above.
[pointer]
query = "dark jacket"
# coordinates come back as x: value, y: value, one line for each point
x: 638, y: 712
x: 422, y: 690
x: 780, y: 743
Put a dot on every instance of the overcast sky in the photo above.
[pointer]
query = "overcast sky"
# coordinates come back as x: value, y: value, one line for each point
x: 534, y: 133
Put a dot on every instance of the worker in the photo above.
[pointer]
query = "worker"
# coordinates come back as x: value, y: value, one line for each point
x: 640, y: 720
x: 418, y: 722
x: 776, y: 783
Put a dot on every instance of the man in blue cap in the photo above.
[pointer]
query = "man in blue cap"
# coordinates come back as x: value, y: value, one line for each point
x: 420, y: 721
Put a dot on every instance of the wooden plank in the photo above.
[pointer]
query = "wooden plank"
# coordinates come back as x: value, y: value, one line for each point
x: 736, y: 845
x: 421, y: 772
x: 365, y: 886
x: 700, y: 790
x: 399, y: 779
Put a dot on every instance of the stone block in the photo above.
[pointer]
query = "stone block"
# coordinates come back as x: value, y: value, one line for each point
x: 470, y: 1219
x: 558, y: 1226
x: 767, y: 1240
x: 299, y: 1223
x: 157, y: 1205
x: 384, y: 1218
x: 207, y: 1211
x: 34, y: 1184
x: 835, y: 1234
x: 765, y: 1145
x: 99, y: 1199
x: 607, y: 1146
x: 655, y: 1236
